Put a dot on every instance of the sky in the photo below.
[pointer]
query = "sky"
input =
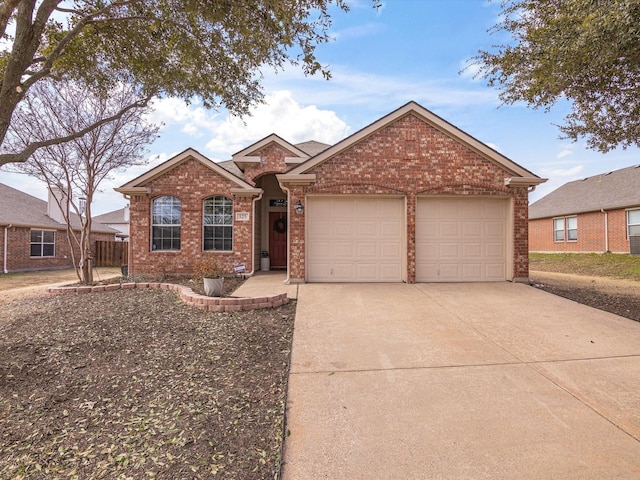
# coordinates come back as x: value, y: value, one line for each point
x: 379, y: 59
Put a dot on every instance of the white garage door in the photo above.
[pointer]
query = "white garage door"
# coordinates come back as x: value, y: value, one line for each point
x: 461, y: 239
x: 354, y: 239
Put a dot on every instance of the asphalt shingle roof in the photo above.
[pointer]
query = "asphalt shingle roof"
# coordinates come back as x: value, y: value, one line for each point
x: 612, y: 190
x: 23, y: 210
x: 117, y: 216
x: 311, y: 148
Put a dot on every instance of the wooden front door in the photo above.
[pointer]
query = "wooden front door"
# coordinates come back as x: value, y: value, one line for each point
x: 278, y: 239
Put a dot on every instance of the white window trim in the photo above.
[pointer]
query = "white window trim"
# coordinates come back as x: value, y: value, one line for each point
x: 153, y: 225
x: 565, y: 229
x: 42, y: 243
x: 232, y: 225
x: 628, y: 229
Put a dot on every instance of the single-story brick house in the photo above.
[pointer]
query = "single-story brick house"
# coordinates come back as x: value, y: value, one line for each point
x: 596, y: 214
x: 33, y: 233
x: 409, y: 198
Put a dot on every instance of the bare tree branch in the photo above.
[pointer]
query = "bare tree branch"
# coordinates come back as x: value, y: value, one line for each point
x: 32, y: 147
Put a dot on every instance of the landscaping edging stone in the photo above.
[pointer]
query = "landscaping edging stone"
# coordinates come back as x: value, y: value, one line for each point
x: 213, y: 304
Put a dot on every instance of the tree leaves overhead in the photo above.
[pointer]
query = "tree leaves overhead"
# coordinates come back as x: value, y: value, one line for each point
x: 587, y: 51
x: 211, y: 49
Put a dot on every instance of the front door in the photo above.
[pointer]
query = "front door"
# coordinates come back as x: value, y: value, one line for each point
x: 278, y: 239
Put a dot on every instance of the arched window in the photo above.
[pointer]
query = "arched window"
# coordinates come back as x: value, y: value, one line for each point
x: 166, y: 213
x: 218, y: 223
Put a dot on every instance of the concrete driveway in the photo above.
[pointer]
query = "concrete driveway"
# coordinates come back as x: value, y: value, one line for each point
x: 460, y: 381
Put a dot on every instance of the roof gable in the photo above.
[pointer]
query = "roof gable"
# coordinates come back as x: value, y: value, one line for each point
x: 412, y: 108
x: 137, y: 185
x: 606, y: 191
x: 273, y: 138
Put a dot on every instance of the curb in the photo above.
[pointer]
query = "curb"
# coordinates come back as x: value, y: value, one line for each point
x: 188, y: 296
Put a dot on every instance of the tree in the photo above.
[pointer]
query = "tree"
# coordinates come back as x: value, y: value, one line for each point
x: 211, y: 49
x: 587, y: 51
x: 51, y: 109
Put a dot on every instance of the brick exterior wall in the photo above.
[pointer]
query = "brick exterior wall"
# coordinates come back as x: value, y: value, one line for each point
x: 591, y: 234
x: 410, y: 158
x: 191, y: 182
x: 272, y: 160
x: 407, y: 157
x: 19, y: 257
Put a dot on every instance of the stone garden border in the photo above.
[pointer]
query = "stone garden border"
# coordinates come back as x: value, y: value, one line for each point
x: 213, y: 304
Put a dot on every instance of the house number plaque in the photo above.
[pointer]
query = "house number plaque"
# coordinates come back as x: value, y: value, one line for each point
x: 242, y: 216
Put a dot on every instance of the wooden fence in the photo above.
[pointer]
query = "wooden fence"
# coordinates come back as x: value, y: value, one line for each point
x: 111, y: 254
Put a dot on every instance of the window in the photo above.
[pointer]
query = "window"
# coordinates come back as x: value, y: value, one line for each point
x: 568, y: 224
x: 633, y: 222
x: 165, y: 223
x: 572, y: 229
x: 43, y: 243
x: 558, y: 229
x: 218, y: 223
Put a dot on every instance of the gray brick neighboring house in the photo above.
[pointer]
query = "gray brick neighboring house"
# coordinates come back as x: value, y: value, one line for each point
x: 599, y: 214
x: 33, y: 233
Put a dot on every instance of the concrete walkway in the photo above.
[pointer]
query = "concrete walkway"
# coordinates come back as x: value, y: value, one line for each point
x: 460, y: 381
x: 267, y: 283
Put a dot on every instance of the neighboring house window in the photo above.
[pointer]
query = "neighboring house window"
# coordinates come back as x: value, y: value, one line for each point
x: 558, y: 229
x: 166, y: 213
x: 43, y: 243
x: 633, y: 222
x: 572, y: 229
x: 568, y: 224
x: 218, y: 223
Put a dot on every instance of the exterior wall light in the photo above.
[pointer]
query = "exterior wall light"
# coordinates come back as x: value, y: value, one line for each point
x: 299, y: 208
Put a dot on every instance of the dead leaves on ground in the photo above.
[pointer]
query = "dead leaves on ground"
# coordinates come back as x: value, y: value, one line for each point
x: 135, y: 384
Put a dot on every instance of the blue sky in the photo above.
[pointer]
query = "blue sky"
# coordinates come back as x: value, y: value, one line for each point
x: 380, y: 60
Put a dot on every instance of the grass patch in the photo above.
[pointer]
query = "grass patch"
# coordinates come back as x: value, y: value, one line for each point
x: 592, y: 264
x: 10, y: 281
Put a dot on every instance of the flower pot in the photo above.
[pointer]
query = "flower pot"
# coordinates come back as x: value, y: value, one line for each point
x: 213, y: 286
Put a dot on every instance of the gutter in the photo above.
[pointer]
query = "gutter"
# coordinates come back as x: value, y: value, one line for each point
x: 6, y: 241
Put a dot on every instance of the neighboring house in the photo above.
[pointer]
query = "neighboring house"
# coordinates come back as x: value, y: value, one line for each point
x: 410, y: 198
x: 596, y: 214
x: 33, y: 233
x: 118, y: 220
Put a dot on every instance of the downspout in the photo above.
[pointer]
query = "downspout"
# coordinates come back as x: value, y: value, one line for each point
x: 6, y: 241
x: 130, y: 249
x: 288, y: 279
x: 253, y: 242
x: 606, y: 230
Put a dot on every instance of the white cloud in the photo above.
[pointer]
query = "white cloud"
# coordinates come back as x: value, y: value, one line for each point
x: 280, y: 114
x: 174, y: 111
x: 359, y: 31
x: 564, y: 153
x: 557, y: 177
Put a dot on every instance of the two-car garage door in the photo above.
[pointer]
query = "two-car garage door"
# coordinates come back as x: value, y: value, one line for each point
x: 362, y: 239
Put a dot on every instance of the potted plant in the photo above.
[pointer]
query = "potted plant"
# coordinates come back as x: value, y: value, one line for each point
x: 211, y: 275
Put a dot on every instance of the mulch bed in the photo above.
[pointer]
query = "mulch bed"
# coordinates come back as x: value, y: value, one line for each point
x: 624, y: 305
x: 136, y: 384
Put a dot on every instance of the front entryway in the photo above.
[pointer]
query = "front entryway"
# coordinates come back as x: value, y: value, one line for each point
x: 278, y: 239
